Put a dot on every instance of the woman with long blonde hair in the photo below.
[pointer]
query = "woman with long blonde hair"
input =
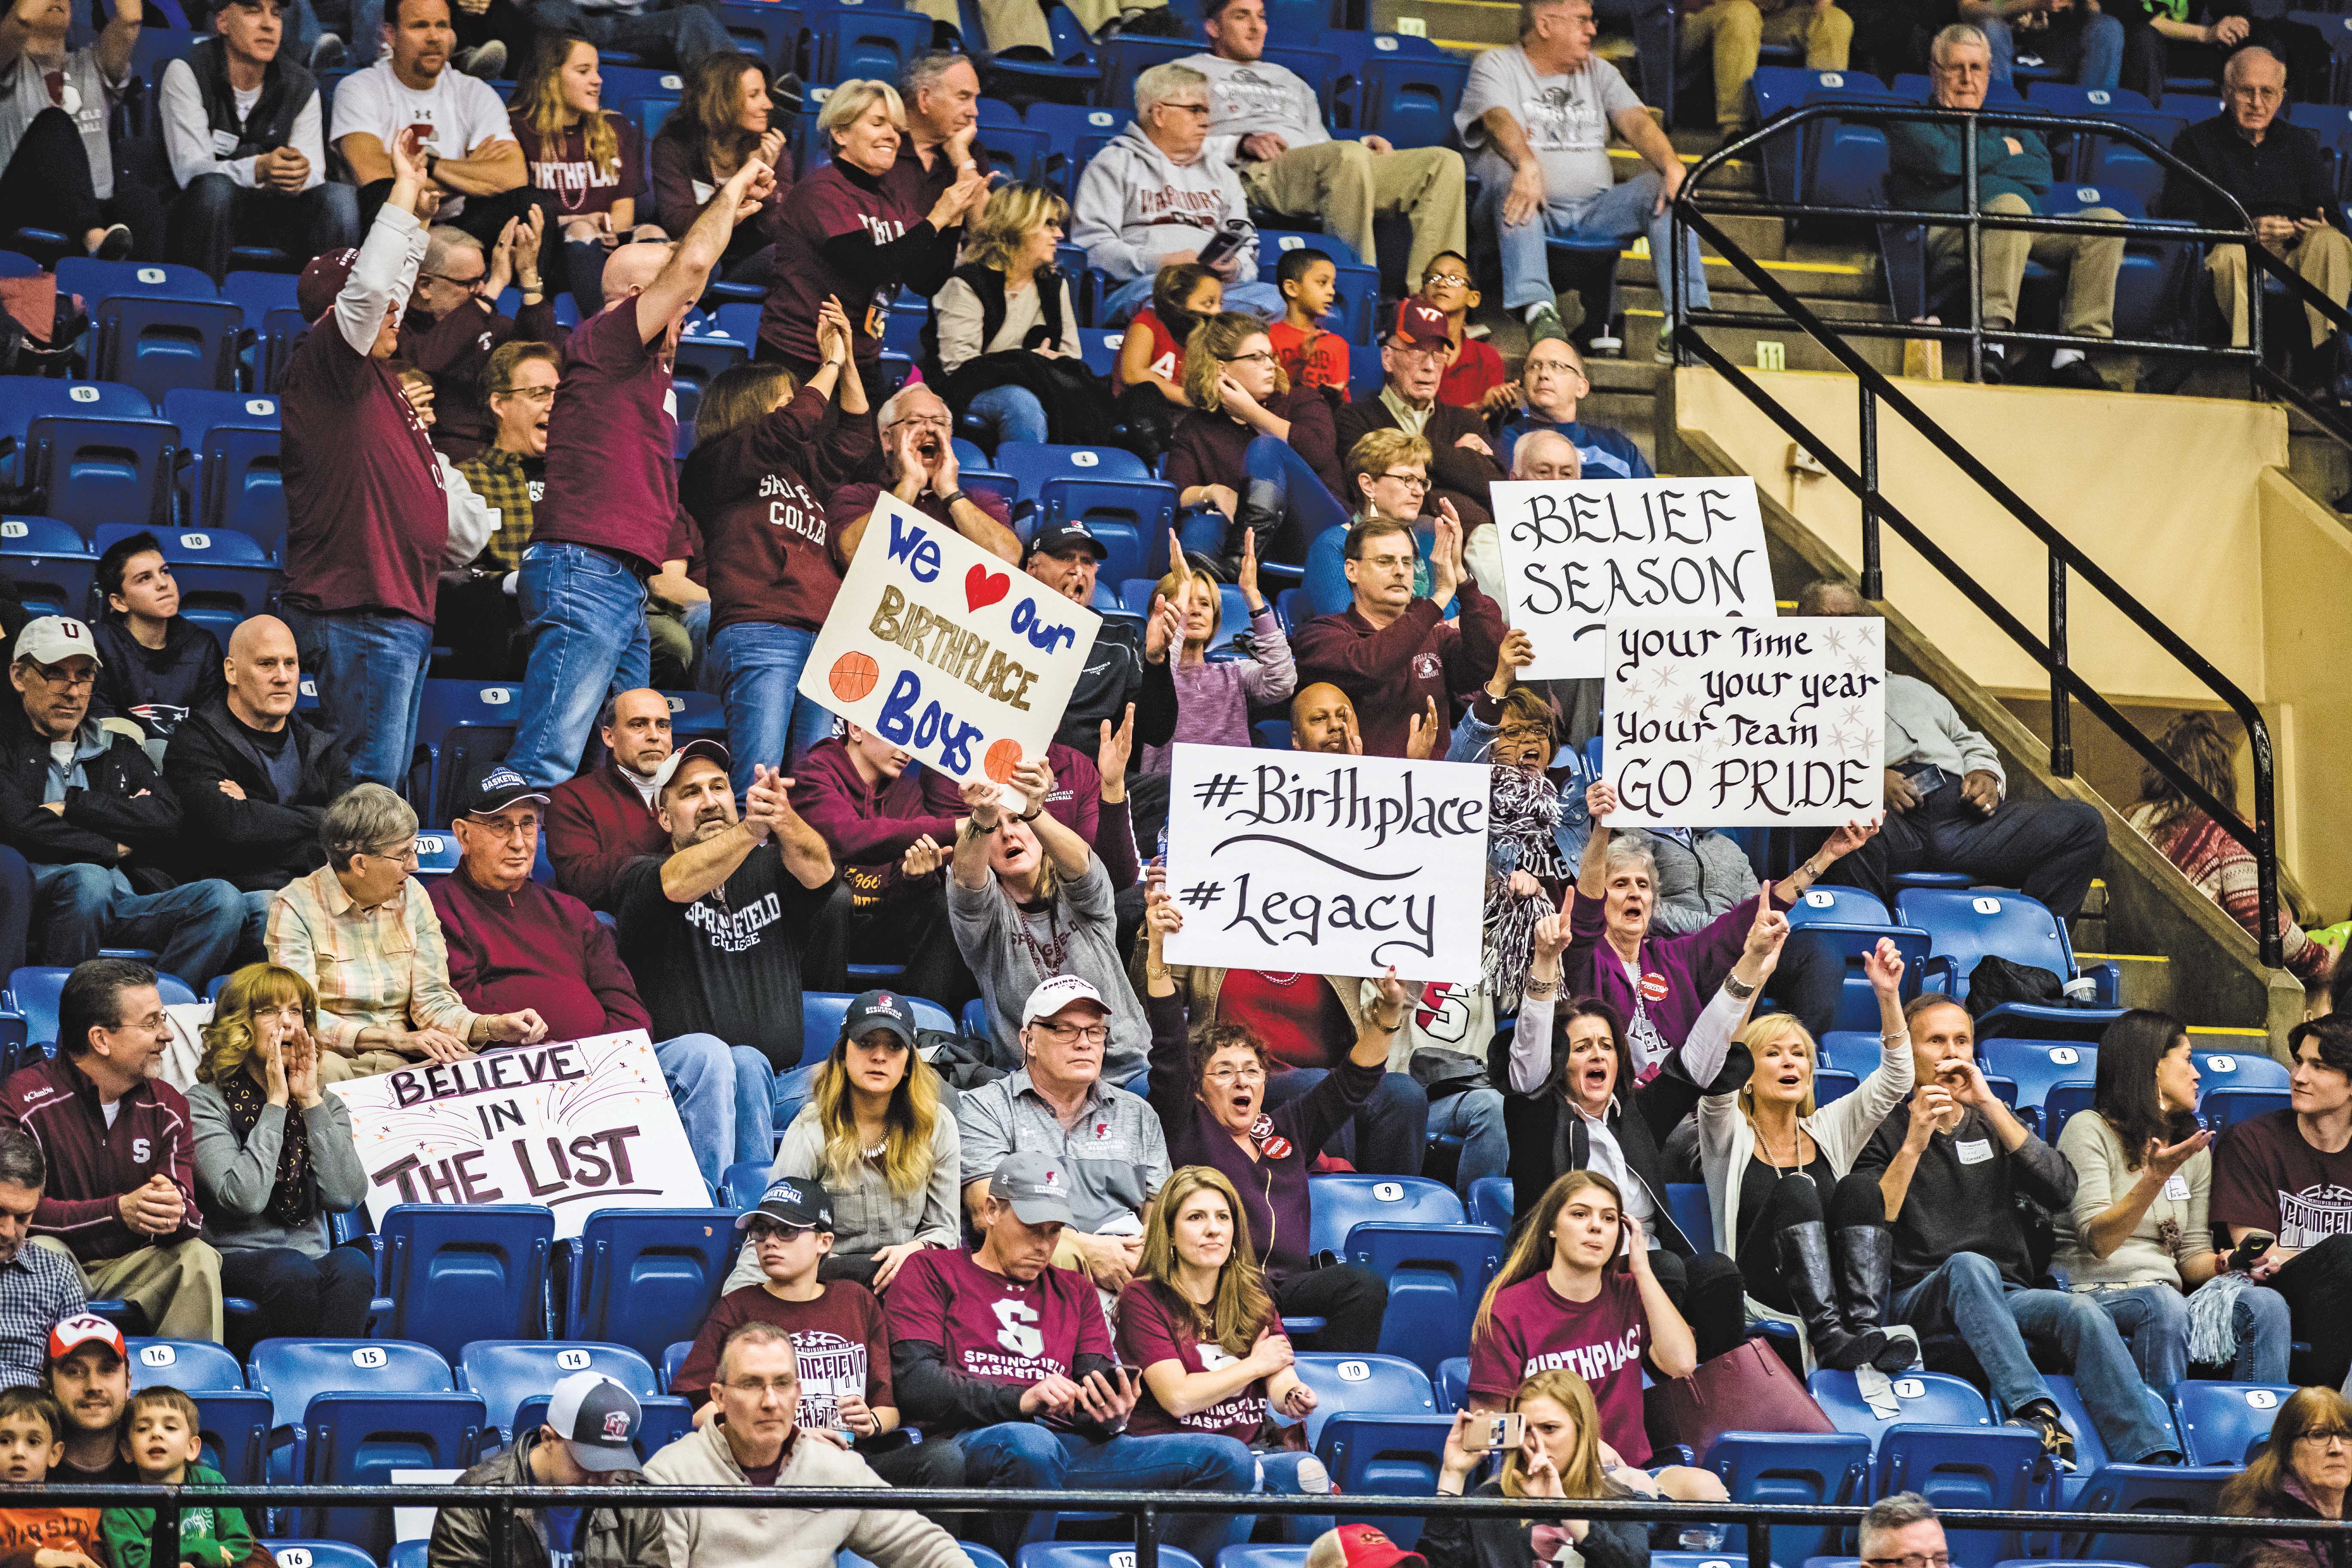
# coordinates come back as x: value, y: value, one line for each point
x: 590, y: 161
x: 1198, y: 1321
x: 878, y: 1137
x: 1560, y: 1455
x: 1810, y: 1237
x: 1005, y: 318
x: 1259, y: 452
x: 275, y: 1155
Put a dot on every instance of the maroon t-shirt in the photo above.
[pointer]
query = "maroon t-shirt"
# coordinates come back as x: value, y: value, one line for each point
x: 1153, y: 1327
x: 1297, y: 1018
x: 582, y: 187
x: 2268, y: 1177
x: 838, y: 1336
x: 995, y: 1329
x: 770, y: 554
x: 611, y: 476
x: 851, y: 503
x: 1536, y: 1328
x: 366, y: 517
x: 833, y: 202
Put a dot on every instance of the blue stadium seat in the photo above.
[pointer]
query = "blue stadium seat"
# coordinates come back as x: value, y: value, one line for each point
x: 2252, y: 1068
x: 89, y: 471
x: 198, y: 411
x: 770, y: 31
x: 1775, y: 90
x: 673, y: 1357
x: 184, y: 1365
x: 96, y: 281
x: 821, y: 1012
x: 1932, y: 1398
x: 1857, y: 1002
x: 294, y: 1371
x: 505, y: 1373
x: 462, y: 725
x: 1094, y: 1554
x: 1067, y: 125
x: 2090, y: 1450
x: 1341, y: 1202
x: 849, y: 41
x: 2222, y: 1108
x: 1384, y: 1456
x: 2038, y: 1064
x: 1790, y: 1469
x: 2113, y: 162
x: 1364, y: 1385
x: 1017, y: 150
x: 983, y: 1557
x: 1491, y: 1202
x: 743, y: 1182
x: 1122, y: 59
x: 2224, y: 1423
x: 1829, y: 1086
x: 282, y: 331
x: 16, y: 264
x: 1968, y: 923
x: 24, y: 399
x: 460, y: 1272
x: 1411, y: 99
x: 161, y: 344
x: 258, y: 293
x: 235, y: 1424
x: 646, y: 1278
x: 2148, y: 1488
x: 1271, y: 734
x: 1130, y: 516
x: 1435, y: 1274
x: 360, y: 1440
x: 1963, y: 1467
x: 418, y: 1554
x: 622, y: 83
x: 1453, y: 1382
x: 666, y: 1420
x: 1035, y: 462
x: 1850, y: 1050
x: 243, y: 485
x: 1100, y: 348
x: 1686, y: 1201
x: 323, y: 1554
x: 1264, y: 1555
x: 2062, y: 1102
x: 32, y: 996
x: 1845, y: 906
x: 50, y: 565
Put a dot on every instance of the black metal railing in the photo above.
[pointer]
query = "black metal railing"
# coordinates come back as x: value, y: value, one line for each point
x: 1148, y: 1509
x: 2065, y: 560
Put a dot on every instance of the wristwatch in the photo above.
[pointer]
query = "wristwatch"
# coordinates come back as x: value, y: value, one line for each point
x: 951, y: 501
x: 1740, y: 990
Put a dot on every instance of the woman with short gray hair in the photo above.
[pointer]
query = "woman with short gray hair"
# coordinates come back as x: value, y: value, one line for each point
x: 366, y: 938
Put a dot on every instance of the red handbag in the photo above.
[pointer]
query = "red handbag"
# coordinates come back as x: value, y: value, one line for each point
x: 1748, y: 1388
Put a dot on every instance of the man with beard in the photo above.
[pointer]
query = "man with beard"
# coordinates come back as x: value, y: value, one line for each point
x: 714, y: 930
x: 89, y: 1374
x: 480, y: 618
x: 918, y: 466
x: 599, y: 822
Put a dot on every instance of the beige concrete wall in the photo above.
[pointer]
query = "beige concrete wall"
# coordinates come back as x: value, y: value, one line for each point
x: 2306, y: 556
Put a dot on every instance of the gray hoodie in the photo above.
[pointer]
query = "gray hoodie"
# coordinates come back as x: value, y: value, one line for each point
x: 1136, y: 204
x: 1248, y: 97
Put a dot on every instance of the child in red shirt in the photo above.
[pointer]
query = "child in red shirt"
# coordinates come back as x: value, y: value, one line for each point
x: 1474, y: 376
x: 1310, y: 356
x: 32, y: 1440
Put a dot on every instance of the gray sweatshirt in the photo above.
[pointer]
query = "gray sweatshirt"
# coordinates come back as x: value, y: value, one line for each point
x: 1008, y: 967
x: 1922, y: 726
x: 784, y: 1536
x: 1136, y: 204
x: 1248, y: 98
x: 234, y: 1180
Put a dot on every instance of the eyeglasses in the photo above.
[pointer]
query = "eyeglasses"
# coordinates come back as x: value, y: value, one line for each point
x: 783, y: 1387
x: 1911, y: 1560
x: 1200, y: 109
x: 922, y: 422
x: 778, y: 1233
x: 1067, y: 1034
x: 57, y: 675
x: 1404, y: 348
x: 1390, y: 562
x: 1261, y: 357
x: 468, y: 284
x: 407, y: 857
x: 2326, y: 1438
x: 1445, y: 281
x: 528, y: 393
x: 498, y: 829
x: 1410, y: 481
x: 1525, y: 733
x: 1535, y: 367
x: 1225, y: 1078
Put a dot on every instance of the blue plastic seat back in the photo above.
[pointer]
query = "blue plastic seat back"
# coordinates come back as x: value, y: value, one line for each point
x: 458, y: 722
x: 199, y: 411
x: 1850, y: 1050
x: 1094, y: 1554
x: 1966, y: 923
x: 666, y: 1420
x: 1435, y: 1275
x: 1962, y: 1467
x: 2252, y: 1068
x: 1453, y: 1383
x: 1129, y: 515
x: 770, y: 31
x: 1791, y: 1469
x: 505, y: 1373
x: 2063, y: 1101
x: 1919, y: 1398
x: 2222, y: 1108
x: 258, y: 293
x: 2112, y: 162
x: 1686, y: 1201
x: 49, y: 563
x: 624, y: 82
x: 33, y: 993
x: 1100, y: 348
x: 1492, y: 1199
x: 281, y: 333
x: 644, y: 1277
x: 1341, y: 1202
x: 1014, y: 149
x: 90, y: 471
x: 1857, y: 1006
x: 821, y: 1014
x: 1362, y: 1385
x: 848, y: 41
x: 2148, y: 1488
x: 1035, y: 462
x: 1829, y: 1086
x: 184, y: 1365
x: 1411, y: 101
x: 360, y: 1440
x: 235, y: 1424
x: 97, y: 281
x: 2038, y: 1064
x: 1258, y: 1555
x: 294, y: 1371
x: 673, y: 1357
x: 2090, y: 1450
x: 418, y: 1554
x: 325, y: 1554
x: 2224, y: 1423
x: 457, y: 1273
x: 1124, y: 58
x: 1385, y: 1455
x: 988, y: 1556
x: 160, y: 344
x: 1847, y: 906
x: 743, y: 1182
x: 24, y: 399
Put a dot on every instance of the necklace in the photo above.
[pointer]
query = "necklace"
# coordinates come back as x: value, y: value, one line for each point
x: 1796, y: 1151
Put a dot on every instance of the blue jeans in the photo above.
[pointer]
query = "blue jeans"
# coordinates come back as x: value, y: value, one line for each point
x: 1258, y: 298
x: 1621, y: 212
x: 1476, y: 1115
x: 2096, y: 55
x: 194, y: 928
x: 1967, y: 1295
x: 370, y: 666
x: 664, y: 34
x: 1022, y: 1454
x: 723, y: 1095
x: 1290, y: 1474
x: 586, y: 613
x: 1277, y: 481
x: 2154, y: 1320
x: 1388, y: 1131
x: 767, y: 719
x: 793, y: 1090
x: 1008, y: 413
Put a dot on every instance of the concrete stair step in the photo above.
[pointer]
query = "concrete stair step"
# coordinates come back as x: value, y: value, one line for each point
x: 1792, y: 350
x: 1855, y: 278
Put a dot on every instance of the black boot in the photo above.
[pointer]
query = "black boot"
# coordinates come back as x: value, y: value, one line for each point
x: 1865, y: 1266
x: 1803, y: 1251
x: 1247, y: 517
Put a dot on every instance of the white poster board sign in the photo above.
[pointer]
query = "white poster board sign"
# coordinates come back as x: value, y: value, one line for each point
x: 576, y: 1125
x: 1778, y: 723
x: 1327, y: 864
x: 944, y: 649
x: 1580, y: 553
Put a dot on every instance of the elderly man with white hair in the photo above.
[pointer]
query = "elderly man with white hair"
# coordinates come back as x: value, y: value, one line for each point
x: 919, y: 468
x: 605, y: 521
x: 1162, y: 193
x: 1546, y: 455
x: 453, y: 324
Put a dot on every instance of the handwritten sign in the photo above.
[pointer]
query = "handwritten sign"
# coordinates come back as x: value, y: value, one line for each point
x: 1721, y: 725
x: 940, y: 648
x: 578, y: 1126
x: 1327, y: 865
x: 1580, y: 553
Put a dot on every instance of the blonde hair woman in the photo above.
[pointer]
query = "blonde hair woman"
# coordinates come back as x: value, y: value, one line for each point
x: 1004, y: 310
x: 1253, y: 449
x: 588, y: 161
x: 1213, y: 699
x: 829, y: 245
x: 1809, y: 1237
x: 1560, y: 1455
x: 274, y: 1157
x: 1201, y: 1323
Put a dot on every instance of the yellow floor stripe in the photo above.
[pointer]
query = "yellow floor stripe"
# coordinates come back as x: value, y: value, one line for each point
x: 2224, y: 1030
x: 2128, y: 957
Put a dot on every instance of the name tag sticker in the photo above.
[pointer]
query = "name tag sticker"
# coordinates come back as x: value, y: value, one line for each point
x: 2176, y: 1187
x: 1973, y: 1150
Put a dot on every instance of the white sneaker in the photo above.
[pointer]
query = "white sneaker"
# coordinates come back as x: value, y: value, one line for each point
x: 483, y: 60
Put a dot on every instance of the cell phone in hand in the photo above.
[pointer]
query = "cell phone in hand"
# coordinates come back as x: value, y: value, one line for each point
x: 1486, y: 1432
x: 1223, y: 243
x: 2242, y: 1256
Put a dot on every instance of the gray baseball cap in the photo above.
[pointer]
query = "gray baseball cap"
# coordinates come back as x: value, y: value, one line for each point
x: 1035, y: 1185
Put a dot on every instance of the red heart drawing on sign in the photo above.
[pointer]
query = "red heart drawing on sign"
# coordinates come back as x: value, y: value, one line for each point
x: 981, y: 590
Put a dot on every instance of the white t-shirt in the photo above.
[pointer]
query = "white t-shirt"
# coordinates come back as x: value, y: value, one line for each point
x: 81, y: 90
x: 1565, y: 117
x: 453, y: 115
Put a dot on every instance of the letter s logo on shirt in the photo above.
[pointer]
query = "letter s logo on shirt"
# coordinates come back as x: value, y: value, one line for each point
x: 1018, y: 1328
x: 141, y: 1149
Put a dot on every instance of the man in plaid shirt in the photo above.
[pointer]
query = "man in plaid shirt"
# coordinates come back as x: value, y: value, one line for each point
x: 39, y: 1286
x: 479, y: 617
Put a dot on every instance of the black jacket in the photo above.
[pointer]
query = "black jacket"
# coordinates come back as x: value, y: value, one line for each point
x: 285, y: 88
x: 1537, y: 1131
x: 260, y: 842
x: 612, y: 1536
x: 1504, y: 1542
x: 124, y: 802
x: 155, y: 688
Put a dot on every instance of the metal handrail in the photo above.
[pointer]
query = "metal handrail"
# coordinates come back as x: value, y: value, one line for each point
x: 2051, y: 652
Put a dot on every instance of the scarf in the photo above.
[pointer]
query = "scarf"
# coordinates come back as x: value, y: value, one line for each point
x: 294, y: 1198
x: 1525, y: 813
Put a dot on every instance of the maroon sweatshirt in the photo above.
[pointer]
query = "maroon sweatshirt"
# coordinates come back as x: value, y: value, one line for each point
x: 454, y: 351
x: 535, y: 948
x: 1208, y: 448
x: 1391, y: 674
x: 865, y: 825
x: 756, y: 493
x: 597, y: 823
x: 91, y: 1165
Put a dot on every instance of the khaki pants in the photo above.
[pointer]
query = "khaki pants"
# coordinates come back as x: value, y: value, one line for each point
x: 2090, y: 262
x: 1347, y: 184
x: 178, y: 1287
x: 1093, y: 14
x: 1009, y: 24
x: 2323, y: 259
x: 336, y: 1067
x: 1737, y: 29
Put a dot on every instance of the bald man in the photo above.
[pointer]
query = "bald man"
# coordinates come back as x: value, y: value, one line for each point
x: 1323, y: 719
x: 253, y: 776
x: 1546, y: 455
x: 609, y: 517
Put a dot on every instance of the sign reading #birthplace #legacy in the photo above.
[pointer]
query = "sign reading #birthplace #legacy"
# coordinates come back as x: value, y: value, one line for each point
x: 944, y: 649
x: 1326, y: 865
x: 576, y: 1125
x: 1726, y: 724
x: 1580, y: 553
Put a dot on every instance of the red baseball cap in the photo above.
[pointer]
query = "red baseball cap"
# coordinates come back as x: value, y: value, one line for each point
x: 322, y: 280
x: 1419, y: 321
x: 85, y: 1329
x: 1360, y: 1546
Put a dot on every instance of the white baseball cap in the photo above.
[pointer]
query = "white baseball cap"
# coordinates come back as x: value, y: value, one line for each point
x: 53, y: 637
x: 1057, y: 993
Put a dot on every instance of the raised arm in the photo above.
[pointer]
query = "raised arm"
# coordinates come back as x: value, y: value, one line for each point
x: 768, y: 806
x: 1592, y: 871
x: 385, y: 273
x: 1836, y: 847
x: 681, y: 282
x: 122, y: 36
x: 1531, y: 1040
x: 1674, y: 1349
x: 969, y: 866
x: 1068, y: 852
